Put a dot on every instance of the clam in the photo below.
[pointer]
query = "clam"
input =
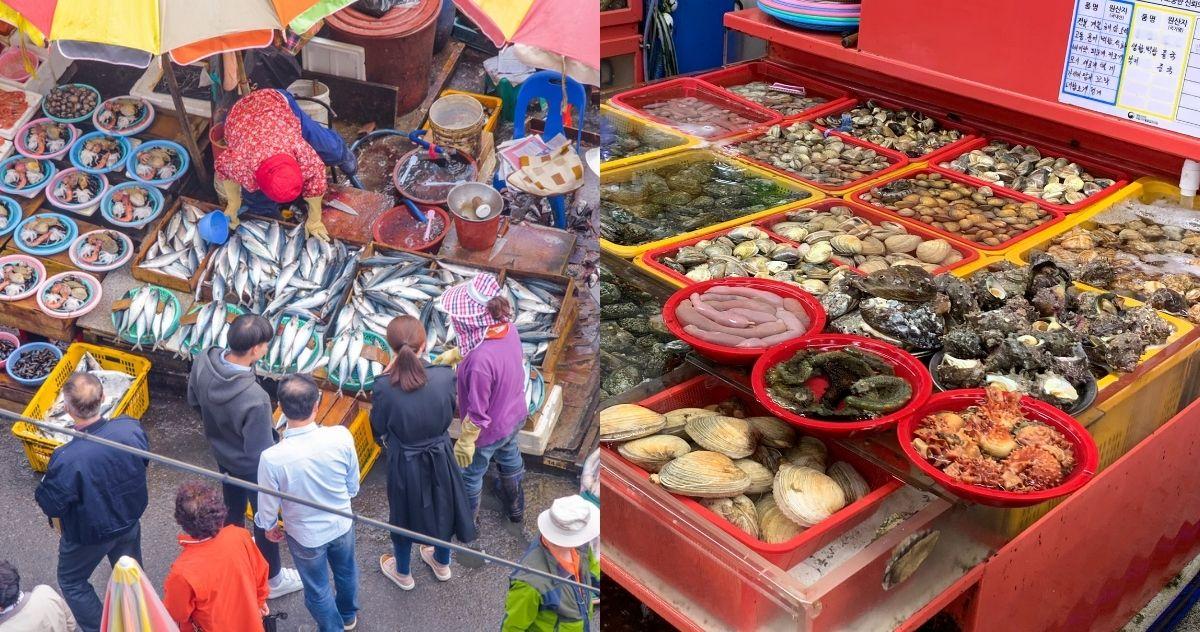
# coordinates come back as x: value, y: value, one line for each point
x: 653, y: 452
x: 702, y: 474
x: 773, y: 525
x: 902, y: 243
x: 908, y: 556
x: 629, y: 421
x: 852, y: 483
x: 846, y: 245
x: 730, y: 436
x: 761, y: 478
x: 808, y: 452
x: 738, y: 511
x: 805, y: 495
x: 678, y: 418
x: 820, y: 252
x: 773, y: 431
x: 933, y: 251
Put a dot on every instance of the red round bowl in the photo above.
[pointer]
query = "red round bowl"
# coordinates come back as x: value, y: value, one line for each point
x: 732, y: 355
x: 906, y: 366
x: 1087, y: 455
x: 397, y: 228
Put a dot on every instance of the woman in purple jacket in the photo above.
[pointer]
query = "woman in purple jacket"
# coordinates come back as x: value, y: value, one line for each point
x: 491, y: 390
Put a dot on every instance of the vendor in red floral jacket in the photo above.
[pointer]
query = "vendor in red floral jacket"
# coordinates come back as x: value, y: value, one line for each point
x: 268, y: 153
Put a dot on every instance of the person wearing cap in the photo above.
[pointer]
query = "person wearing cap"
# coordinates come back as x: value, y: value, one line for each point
x: 491, y: 391
x: 540, y: 604
x: 276, y: 154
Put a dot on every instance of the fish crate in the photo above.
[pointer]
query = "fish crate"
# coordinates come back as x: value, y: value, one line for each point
x: 611, y: 176
x: 941, y: 117
x: 637, y: 99
x: 164, y: 280
x: 1054, y: 218
x: 136, y: 401
x: 1049, y: 151
x: 835, y: 97
x: 563, y: 322
x: 704, y: 390
x: 664, y: 140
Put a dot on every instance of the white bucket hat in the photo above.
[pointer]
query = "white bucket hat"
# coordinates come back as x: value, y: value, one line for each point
x: 570, y: 521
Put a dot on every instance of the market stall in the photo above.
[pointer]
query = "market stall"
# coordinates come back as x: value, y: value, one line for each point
x: 962, y: 225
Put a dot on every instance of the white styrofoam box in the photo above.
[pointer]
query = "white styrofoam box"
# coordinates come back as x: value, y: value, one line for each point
x: 534, y: 441
x: 335, y: 58
x: 144, y: 88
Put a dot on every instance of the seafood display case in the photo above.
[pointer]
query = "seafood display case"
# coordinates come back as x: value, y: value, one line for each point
x: 625, y: 139
x: 695, y: 108
x: 783, y: 89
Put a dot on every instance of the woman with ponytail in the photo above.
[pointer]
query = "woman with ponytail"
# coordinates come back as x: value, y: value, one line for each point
x: 413, y: 404
x: 491, y: 390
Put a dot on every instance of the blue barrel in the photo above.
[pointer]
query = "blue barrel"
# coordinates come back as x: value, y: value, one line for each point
x: 700, y: 33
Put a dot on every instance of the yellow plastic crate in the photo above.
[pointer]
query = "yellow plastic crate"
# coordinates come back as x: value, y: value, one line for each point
x: 1147, y: 190
x: 626, y: 173
x: 670, y: 140
x: 134, y: 404
x: 364, y: 442
x: 491, y: 107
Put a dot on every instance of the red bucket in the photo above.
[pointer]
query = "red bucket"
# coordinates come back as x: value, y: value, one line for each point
x: 473, y: 233
x: 216, y: 136
x: 397, y: 228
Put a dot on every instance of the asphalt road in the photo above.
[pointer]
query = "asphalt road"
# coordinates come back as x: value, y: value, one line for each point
x: 472, y: 600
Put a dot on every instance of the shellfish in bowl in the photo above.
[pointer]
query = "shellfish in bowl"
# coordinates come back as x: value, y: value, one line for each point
x: 122, y: 114
x: 101, y: 152
x: 157, y: 163
x: 133, y: 204
x: 46, y: 138
x: 18, y: 278
x: 44, y: 231
x: 77, y: 189
x: 101, y: 248
x: 68, y: 294
x: 24, y: 173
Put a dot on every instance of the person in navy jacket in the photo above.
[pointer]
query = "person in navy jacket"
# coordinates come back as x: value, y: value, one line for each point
x: 98, y: 493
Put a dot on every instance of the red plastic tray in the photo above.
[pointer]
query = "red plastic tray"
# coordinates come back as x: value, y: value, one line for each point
x: 906, y: 366
x: 766, y: 71
x: 1095, y: 168
x: 1087, y: 455
x: 876, y: 216
x: 730, y: 355
x: 701, y: 391
x: 631, y: 14
x: 896, y: 160
x: 855, y: 198
x: 951, y: 149
x: 652, y: 257
x: 638, y: 98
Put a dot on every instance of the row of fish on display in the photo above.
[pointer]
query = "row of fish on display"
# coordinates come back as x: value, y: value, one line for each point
x: 178, y: 249
x: 211, y: 327
x: 272, y: 271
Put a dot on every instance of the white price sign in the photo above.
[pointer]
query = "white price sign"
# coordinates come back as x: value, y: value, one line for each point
x: 1139, y: 60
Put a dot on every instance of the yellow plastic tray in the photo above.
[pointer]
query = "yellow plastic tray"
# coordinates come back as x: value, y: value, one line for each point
x: 136, y: 401
x: 623, y: 121
x: 625, y: 173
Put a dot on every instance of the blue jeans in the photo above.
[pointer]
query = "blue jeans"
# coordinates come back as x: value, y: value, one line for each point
x: 403, y: 550
x: 314, y: 565
x: 508, y: 460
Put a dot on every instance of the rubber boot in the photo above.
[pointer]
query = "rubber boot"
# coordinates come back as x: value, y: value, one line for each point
x: 473, y: 503
x: 512, y: 495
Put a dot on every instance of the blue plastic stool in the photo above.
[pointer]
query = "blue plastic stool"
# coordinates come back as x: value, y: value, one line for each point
x: 548, y: 85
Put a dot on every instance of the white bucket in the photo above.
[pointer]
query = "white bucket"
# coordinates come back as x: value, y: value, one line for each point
x: 313, y: 90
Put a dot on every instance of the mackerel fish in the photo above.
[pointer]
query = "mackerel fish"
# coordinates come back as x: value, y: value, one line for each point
x: 178, y: 248
x: 150, y: 317
x: 210, y: 329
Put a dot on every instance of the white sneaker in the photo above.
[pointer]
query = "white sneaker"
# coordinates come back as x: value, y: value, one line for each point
x: 285, y: 583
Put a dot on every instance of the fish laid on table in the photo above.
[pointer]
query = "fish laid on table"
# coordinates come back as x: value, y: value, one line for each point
x: 178, y: 247
x: 391, y: 285
x: 272, y: 271
x: 536, y: 304
x: 347, y: 362
x: 149, y: 315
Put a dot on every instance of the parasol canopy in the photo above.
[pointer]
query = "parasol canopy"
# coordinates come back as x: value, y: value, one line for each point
x: 132, y: 32
x: 567, y: 28
x: 130, y: 603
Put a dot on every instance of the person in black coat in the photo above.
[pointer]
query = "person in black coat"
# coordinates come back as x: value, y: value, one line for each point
x: 412, y: 406
x: 98, y: 493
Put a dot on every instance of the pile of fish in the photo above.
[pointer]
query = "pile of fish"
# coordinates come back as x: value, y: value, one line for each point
x: 178, y: 248
x: 395, y: 284
x: 210, y: 327
x: 151, y: 318
x: 114, y: 383
x: 272, y: 271
x: 347, y: 364
x: 296, y: 347
x: 536, y: 304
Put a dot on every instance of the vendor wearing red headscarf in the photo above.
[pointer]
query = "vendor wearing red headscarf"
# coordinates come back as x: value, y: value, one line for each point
x: 267, y: 152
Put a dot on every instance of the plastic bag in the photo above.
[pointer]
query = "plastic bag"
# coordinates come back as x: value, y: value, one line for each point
x: 377, y: 8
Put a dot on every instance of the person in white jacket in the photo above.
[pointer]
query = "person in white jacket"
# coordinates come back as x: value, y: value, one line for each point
x: 39, y: 610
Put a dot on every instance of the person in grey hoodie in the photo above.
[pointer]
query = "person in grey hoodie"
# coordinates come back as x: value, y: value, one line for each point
x: 237, y: 422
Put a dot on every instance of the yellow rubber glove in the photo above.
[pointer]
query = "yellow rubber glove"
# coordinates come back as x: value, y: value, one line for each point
x: 464, y: 448
x: 450, y: 357
x: 233, y: 197
x: 313, y: 226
